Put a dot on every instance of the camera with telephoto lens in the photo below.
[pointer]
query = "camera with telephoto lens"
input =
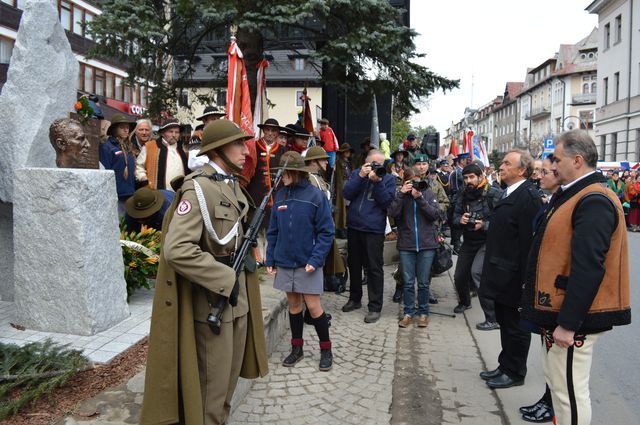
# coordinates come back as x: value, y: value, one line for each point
x: 378, y: 168
x: 421, y: 185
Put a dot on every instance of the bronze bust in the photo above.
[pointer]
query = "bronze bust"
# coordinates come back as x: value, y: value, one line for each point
x: 68, y: 139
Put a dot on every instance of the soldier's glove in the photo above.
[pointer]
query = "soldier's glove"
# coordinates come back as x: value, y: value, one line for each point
x: 233, y: 298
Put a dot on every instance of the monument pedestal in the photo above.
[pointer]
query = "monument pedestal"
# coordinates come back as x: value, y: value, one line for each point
x: 6, y: 251
x: 69, y: 275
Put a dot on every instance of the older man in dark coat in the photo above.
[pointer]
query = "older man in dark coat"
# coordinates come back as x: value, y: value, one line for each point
x: 507, y: 248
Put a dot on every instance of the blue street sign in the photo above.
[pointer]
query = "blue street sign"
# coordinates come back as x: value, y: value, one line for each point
x: 548, y: 144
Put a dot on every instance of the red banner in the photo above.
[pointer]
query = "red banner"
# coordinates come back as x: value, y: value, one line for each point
x: 453, y: 149
x: 239, y: 105
x: 307, y: 121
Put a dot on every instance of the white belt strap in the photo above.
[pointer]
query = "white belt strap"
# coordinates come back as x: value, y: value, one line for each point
x: 207, y: 219
x: 327, y: 193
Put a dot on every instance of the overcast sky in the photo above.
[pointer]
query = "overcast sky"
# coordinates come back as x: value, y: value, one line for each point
x: 490, y: 42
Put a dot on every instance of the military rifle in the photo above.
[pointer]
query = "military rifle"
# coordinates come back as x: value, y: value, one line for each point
x: 248, y: 241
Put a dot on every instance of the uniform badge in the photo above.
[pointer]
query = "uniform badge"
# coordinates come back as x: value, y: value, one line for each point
x: 184, y: 207
x: 282, y: 208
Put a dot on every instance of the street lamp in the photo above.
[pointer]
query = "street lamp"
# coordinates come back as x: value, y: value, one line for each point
x: 571, y: 125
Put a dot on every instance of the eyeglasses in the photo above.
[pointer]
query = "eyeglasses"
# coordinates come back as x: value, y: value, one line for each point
x: 546, y: 172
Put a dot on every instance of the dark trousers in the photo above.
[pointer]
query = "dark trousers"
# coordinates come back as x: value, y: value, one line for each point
x: 462, y: 276
x: 365, y: 251
x: 515, y: 342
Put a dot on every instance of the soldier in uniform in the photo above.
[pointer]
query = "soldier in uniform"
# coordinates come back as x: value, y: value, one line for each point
x: 317, y: 161
x: 192, y: 372
x: 342, y: 172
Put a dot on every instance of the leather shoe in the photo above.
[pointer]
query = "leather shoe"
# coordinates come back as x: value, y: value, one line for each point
x: 460, y: 308
x: 372, y: 317
x: 350, y: 306
x: 543, y: 414
x: 527, y: 410
x: 504, y: 381
x: 487, y: 326
x: 490, y: 374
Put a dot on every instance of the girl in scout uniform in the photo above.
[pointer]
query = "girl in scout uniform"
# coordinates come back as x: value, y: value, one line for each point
x: 299, y: 238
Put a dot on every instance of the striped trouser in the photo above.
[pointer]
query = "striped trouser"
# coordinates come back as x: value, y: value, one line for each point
x: 567, y: 372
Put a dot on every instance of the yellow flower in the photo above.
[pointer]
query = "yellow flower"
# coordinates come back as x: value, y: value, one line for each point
x: 152, y: 260
x: 132, y: 264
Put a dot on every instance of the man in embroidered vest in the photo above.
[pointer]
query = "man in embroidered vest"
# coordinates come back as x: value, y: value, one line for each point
x: 162, y: 160
x: 577, y: 279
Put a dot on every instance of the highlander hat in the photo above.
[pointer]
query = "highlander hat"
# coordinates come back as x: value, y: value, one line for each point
x: 120, y: 119
x: 168, y: 124
x: 420, y: 157
x: 144, y: 203
x: 219, y: 133
x: 315, y: 152
x: 270, y: 123
x: 212, y: 110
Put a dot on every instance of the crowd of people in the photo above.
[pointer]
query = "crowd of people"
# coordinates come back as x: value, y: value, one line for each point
x: 542, y: 244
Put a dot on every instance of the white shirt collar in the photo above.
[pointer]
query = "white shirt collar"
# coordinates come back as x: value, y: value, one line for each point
x: 218, y: 169
x: 568, y: 185
x: 513, y: 187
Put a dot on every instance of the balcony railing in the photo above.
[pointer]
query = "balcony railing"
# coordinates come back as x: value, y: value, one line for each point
x: 539, y: 112
x: 584, y: 98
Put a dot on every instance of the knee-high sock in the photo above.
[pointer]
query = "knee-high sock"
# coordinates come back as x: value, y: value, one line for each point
x: 297, y: 324
x: 321, y: 324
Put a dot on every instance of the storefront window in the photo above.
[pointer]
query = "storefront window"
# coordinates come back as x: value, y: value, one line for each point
x: 118, y: 88
x: 127, y: 94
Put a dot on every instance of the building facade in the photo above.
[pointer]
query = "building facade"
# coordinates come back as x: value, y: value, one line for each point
x: 506, y: 117
x: 103, y: 78
x: 617, y: 115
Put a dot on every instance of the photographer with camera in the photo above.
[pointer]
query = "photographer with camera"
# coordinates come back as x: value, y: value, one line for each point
x: 370, y: 191
x: 415, y: 209
x: 472, y: 213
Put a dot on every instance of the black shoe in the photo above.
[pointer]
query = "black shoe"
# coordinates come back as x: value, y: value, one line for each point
x: 543, y: 414
x: 460, y: 308
x: 433, y: 300
x: 487, y: 326
x: 397, y: 296
x: 527, y: 410
x: 294, y: 357
x: 372, y: 317
x: 350, y: 306
x: 490, y: 374
x: 326, y: 360
x: 504, y: 381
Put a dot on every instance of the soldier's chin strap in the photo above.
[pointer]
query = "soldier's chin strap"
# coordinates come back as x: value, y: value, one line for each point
x: 233, y: 167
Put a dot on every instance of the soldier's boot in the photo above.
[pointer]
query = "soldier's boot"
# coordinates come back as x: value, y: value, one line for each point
x: 296, y: 354
x: 326, y: 359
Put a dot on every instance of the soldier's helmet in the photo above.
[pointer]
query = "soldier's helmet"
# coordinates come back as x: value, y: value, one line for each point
x: 219, y: 133
x: 315, y: 152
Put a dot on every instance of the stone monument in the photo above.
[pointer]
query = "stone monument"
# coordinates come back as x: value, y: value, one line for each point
x: 67, y: 261
x: 41, y: 86
x: 69, y: 272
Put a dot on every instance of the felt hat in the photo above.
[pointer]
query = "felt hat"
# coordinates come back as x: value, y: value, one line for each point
x: 294, y: 161
x: 212, y: 110
x: 345, y: 147
x: 144, y: 203
x: 120, y: 119
x: 420, y: 157
x: 270, y: 122
x: 170, y: 123
x: 315, y: 152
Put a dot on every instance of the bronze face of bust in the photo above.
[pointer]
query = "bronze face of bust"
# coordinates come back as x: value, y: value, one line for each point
x: 70, y: 143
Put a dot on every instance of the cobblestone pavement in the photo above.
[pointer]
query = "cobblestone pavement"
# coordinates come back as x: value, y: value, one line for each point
x: 381, y: 374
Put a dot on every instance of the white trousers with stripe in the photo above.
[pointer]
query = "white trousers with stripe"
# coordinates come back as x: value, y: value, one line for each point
x: 567, y: 372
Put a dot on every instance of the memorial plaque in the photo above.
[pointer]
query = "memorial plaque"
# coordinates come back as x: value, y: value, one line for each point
x: 92, y: 132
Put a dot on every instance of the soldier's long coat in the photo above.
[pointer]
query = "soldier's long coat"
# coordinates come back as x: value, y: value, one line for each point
x: 172, y: 380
